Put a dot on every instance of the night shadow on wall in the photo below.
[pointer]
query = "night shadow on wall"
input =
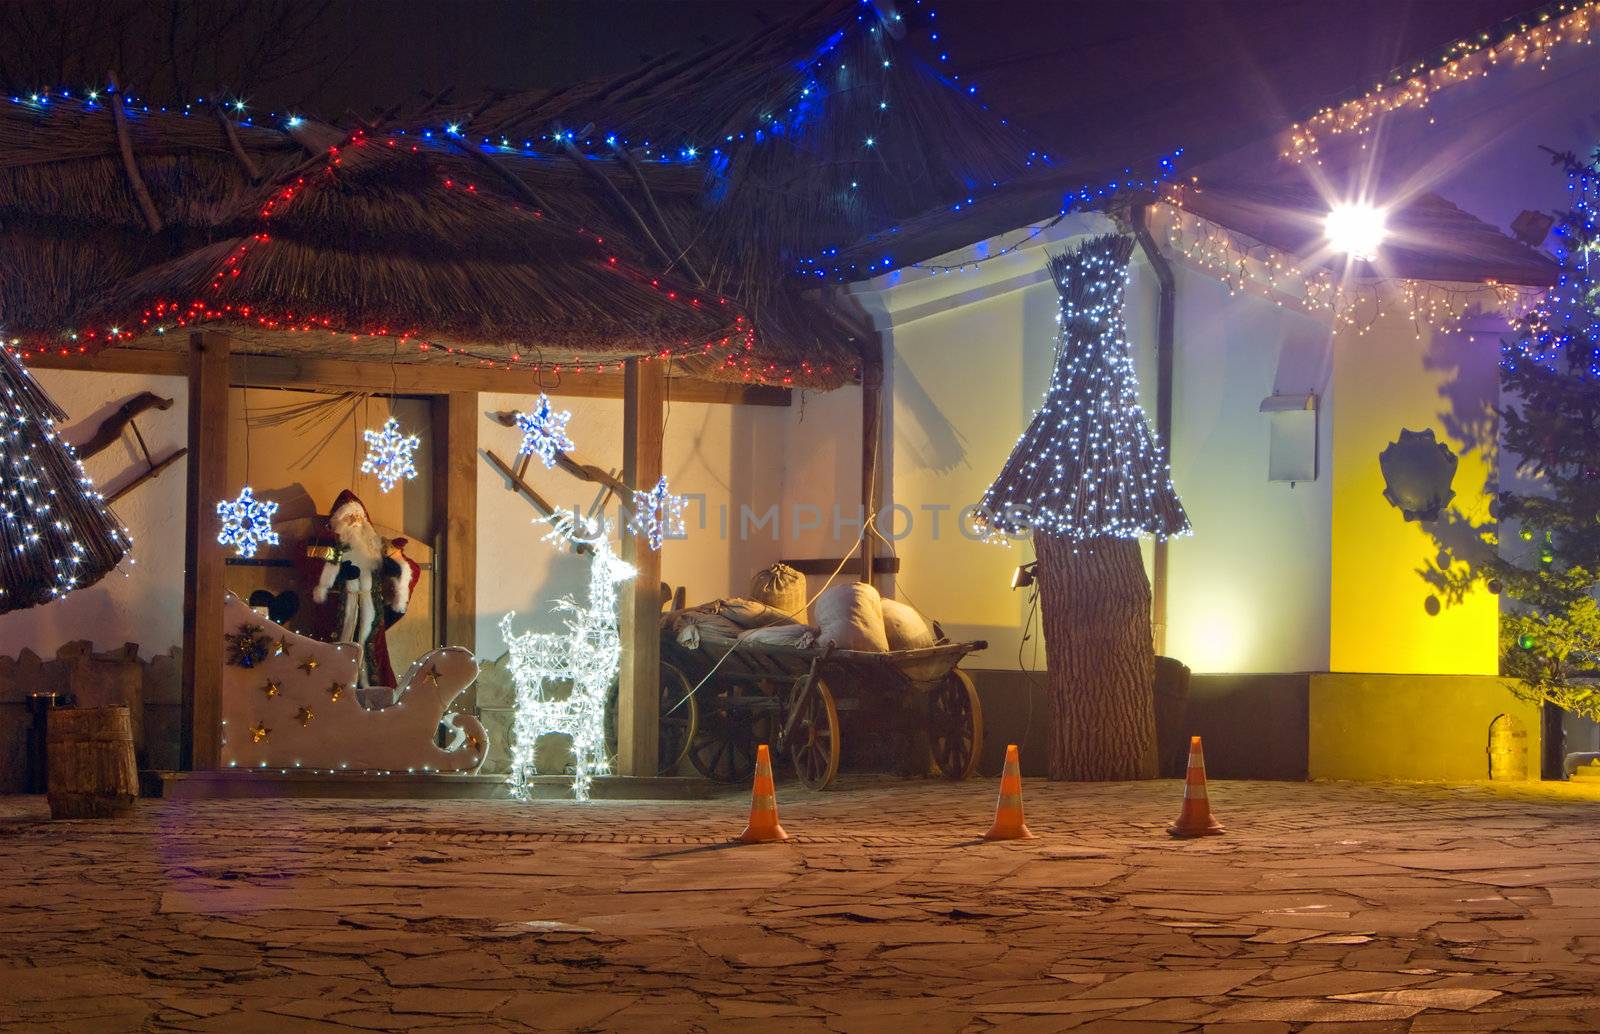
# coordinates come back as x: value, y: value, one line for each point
x: 927, y: 436
x: 294, y: 502
x: 1470, y: 392
x: 1465, y: 544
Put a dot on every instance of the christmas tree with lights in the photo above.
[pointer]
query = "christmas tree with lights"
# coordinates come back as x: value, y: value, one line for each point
x: 1088, y: 479
x: 1550, y: 373
x: 56, y: 533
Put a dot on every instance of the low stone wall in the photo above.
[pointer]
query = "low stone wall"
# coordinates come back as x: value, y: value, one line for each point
x: 1429, y: 727
x: 151, y: 689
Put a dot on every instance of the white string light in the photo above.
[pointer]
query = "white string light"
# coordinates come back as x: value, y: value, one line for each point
x: 389, y: 454
x: 49, y: 506
x: 657, y: 514
x: 585, y: 658
x: 247, y: 522
x: 544, y: 432
x: 1243, y: 264
x: 1087, y: 465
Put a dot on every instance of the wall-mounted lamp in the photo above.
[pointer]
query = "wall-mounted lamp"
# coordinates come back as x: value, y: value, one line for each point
x: 1022, y: 577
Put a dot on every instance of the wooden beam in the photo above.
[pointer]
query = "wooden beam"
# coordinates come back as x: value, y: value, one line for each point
x: 639, y: 699
x: 824, y: 566
x: 277, y: 371
x: 202, y: 557
x: 871, y: 452
x: 455, y: 504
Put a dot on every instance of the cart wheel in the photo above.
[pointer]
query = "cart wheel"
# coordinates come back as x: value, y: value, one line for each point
x: 723, y: 746
x: 955, y: 725
x: 679, y: 716
x: 678, y: 719
x: 814, y: 747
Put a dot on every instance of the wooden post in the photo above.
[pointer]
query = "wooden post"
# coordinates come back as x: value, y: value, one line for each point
x: 202, y: 556
x: 639, y: 700
x: 455, y: 508
x: 871, y: 450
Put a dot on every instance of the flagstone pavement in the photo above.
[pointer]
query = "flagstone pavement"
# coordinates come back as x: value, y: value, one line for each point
x: 1335, y: 906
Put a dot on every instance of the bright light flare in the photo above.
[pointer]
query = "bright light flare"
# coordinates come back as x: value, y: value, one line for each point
x: 1357, y: 230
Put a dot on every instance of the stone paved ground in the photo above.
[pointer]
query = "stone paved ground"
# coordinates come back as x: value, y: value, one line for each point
x: 1358, y: 907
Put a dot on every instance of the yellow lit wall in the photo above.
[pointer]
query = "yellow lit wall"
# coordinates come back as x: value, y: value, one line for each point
x: 1383, y: 380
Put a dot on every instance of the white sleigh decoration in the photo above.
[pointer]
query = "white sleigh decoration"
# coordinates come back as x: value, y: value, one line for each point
x: 294, y: 705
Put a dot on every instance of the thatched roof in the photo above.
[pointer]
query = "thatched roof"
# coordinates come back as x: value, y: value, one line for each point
x: 793, y: 142
x: 70, y: 227
x: 642, y: 214
x: 372, y: 249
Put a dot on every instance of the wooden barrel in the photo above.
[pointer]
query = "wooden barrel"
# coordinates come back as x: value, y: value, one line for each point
x: 92, y: 775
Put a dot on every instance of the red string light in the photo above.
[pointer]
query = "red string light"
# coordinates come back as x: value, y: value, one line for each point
x: 736, y: 344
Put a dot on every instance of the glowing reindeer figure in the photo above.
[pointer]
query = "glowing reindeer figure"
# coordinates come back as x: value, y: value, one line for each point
x: 585, y: 657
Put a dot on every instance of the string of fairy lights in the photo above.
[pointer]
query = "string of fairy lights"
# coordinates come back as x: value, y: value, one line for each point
x: 1548, y: 335
x: 1533, y: 41
x: 1246, y: 265
x: 563, y: 679
x: 785, y: 121
x: 1087, y: 465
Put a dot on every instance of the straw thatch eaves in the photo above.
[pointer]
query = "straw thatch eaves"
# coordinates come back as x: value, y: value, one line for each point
x: 373, y: 248
x: 634, y: 216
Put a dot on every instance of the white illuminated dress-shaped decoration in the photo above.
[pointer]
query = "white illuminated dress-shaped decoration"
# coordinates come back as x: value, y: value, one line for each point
x: 586, y: 657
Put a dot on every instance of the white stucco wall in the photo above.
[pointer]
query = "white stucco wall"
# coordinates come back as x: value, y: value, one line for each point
x: 1248, y: 591
x: 969, y: 360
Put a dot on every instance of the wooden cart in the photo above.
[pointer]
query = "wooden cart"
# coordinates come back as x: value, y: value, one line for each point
x: 753, y: 693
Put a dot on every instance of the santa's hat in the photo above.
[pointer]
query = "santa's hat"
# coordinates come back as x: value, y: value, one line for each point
x: 346, y: 500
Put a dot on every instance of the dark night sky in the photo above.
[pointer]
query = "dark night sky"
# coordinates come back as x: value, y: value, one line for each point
x: 1121, y: 78
x: 395, y: 49
x: 1109, y: 82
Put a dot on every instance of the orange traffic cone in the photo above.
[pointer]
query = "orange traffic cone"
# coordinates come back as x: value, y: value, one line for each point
x: 763, y: 827
x: 1195, y: 819
x: 1008, y: 824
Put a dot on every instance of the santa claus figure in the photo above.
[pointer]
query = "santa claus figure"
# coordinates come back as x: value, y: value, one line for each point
x: 362, y: 585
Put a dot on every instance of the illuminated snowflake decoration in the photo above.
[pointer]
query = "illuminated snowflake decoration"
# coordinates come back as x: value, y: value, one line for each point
x: 389, y: 454
x: 247, y: 522
x: 563, y: 678
x: 544, y: 432
x: 657, y: 514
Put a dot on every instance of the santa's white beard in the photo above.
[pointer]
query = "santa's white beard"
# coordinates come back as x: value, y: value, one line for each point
x: 364, y: 544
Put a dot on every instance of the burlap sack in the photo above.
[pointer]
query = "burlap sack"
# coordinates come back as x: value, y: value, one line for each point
x: 782, y: 588
x: 905, y: 628
x: 851, y: 617
x: 801, y: 637
x: 752, y: 614
x: 688, y: 627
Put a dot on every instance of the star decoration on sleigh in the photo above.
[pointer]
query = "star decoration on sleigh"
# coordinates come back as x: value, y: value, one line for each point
x: 657, y: 514
x: 389, y: 454
x: 544, y: 432
x: 247, y: 522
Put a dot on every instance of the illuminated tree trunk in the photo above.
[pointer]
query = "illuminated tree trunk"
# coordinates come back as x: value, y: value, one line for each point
x: 1095, y: 601
x: 1088, y: 479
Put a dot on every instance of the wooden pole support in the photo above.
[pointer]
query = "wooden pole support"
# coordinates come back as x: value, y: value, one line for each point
x: 639, y: 699
x: 202, y: 556
x: 130, y: 166
x: 455, y: 495
x: 871, y: 453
